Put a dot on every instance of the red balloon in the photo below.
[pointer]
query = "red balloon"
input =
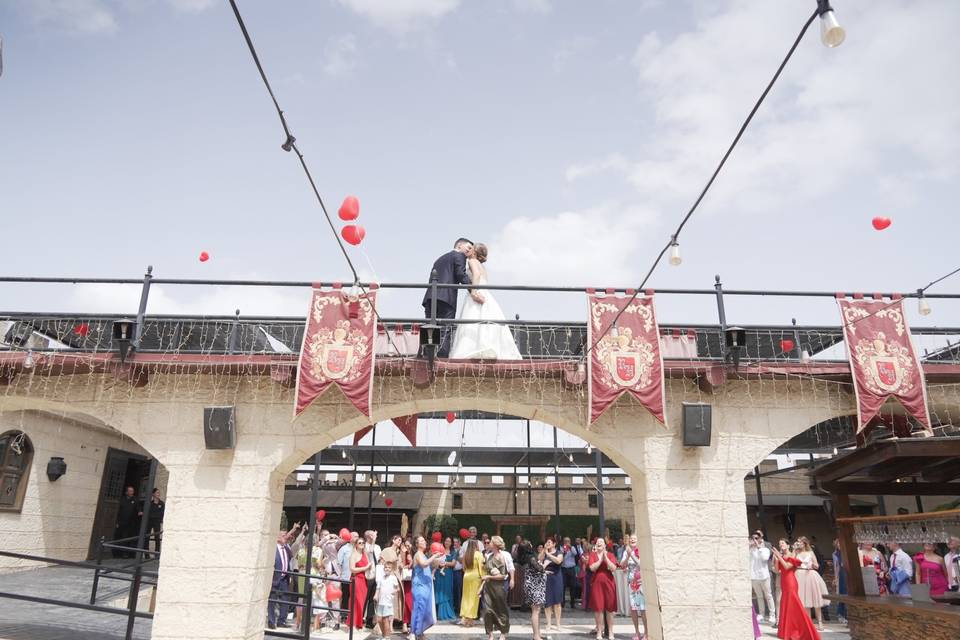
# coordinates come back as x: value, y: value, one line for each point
x: 436, y: 547
x: 204, y: 256
x: 350, y: 209
x: 345, y: 534
x: 333, y: 592
x: 880, y: 223
x: 451, y: 416
x: 437, y: 536
x: 81, y: 330
x: 321, y: 514
x: 353, y: 233
x: 388, y: 502
x: 786, y: 345
x: 464, y: 534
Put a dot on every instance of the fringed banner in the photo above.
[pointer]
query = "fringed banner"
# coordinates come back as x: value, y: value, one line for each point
x: 627, y: 357
x: 882, y: 358
x: 338, y: 348
x: 406, y: 424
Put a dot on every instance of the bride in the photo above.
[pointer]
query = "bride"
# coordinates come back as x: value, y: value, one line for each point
x: 482, y: 339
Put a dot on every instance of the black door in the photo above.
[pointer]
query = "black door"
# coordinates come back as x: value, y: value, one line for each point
x: 120, y: 470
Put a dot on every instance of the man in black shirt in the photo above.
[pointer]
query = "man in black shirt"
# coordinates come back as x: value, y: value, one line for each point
x: 155, y: 521
x: 128, y: 520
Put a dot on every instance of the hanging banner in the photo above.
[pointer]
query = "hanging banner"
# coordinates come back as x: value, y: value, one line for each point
x: 406, y: 424
x: 882, y: 358
x: 338, y: 348
x: 627, y: 357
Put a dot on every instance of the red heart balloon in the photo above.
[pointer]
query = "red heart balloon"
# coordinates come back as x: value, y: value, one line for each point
x: 345, y: 534
x: 880, y: 223
x: 436, y: 547
x: 787, y: 345
x: 353, y: 233
x: 437, y: 536
x: 204, y: 256
x: 388, y: 502
x: 464, y: 534
x: 81, y: 330
x: 451, y: 416
x: 350, y: 209
x: 321, y: 514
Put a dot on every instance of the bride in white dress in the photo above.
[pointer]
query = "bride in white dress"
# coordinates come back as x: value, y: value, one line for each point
x: 482, y: 340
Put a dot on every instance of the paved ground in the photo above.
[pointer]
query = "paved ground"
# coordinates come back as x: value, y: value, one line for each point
x: 21, y: 620
x: 31, y: 621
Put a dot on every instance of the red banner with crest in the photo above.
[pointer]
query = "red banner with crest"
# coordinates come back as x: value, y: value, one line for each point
x: 338, y: 348
x: 883, y: 361
x: 627, y: 356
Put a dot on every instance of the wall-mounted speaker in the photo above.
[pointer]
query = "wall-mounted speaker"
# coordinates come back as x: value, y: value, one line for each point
x: 697, y: 423
x: 219, y: 427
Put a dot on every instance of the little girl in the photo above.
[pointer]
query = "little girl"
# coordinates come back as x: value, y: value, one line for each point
x: 387, y: 590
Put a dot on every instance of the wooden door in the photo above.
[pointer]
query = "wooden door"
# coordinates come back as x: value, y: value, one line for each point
x: 116, y: 472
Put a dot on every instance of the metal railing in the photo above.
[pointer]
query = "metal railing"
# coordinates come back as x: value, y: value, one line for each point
x: 108, y: 572
x: 278, y: 335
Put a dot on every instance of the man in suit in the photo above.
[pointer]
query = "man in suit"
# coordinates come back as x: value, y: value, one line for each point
x: 450, y: 268
x: 280, y: 584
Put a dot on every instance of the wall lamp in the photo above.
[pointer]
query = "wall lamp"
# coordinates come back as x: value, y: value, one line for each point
x: 123, y: 331
x: 56, y: 468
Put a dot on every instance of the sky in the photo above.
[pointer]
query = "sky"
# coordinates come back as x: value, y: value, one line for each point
x: 571, y: 137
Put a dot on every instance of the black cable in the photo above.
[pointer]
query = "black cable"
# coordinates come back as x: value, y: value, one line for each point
x: 291, y: 142
x: 716, y: 172
x: 938, y: 280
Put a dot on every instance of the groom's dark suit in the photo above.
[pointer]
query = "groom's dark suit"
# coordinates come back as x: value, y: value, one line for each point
x: 451, y: 268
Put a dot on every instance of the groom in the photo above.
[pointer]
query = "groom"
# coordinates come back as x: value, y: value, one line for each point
x: 450, y: 268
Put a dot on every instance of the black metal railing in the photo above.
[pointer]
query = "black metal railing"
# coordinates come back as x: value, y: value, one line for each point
x: 275, y: 335
x: 108, y: 572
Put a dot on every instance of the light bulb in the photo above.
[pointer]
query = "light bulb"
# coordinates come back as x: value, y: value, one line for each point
x: 28, y: 361
x: 834, y: 451
x: 675, y: 258
x: 570, y: 456
x: 452, y: 458
x: 831, y: 33
x: 343, y: 454
x: 923, y: 306
x: 589, y: 449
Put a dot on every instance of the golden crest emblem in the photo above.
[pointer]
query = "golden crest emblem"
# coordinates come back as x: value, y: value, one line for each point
x: 888, y: 366
x: 627, y: 361
x: 336, y: 357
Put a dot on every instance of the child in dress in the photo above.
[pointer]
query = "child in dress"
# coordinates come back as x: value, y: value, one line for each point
x: 387, y: 589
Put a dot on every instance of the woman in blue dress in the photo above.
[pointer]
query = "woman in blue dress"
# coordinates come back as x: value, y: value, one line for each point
x: 443, y: 583
x: 424, y: 615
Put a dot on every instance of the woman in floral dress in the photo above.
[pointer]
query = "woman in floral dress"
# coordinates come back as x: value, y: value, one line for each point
x: 638, y: 604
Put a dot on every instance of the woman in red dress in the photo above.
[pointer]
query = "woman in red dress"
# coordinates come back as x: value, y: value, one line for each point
x: 358, y: 590
x: 407, y: 573
x: 603, y: 590
x: 795, y: 624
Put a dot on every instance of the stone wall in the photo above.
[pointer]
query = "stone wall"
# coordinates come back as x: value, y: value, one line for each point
x: 57, y: 517
x: 881, y: 622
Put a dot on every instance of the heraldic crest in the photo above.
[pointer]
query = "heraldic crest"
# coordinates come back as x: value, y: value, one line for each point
x: 338, y: 348
x: 889, y: 366
x: 626, y: 353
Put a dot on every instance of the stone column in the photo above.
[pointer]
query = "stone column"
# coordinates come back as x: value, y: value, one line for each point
x: 217, y: 559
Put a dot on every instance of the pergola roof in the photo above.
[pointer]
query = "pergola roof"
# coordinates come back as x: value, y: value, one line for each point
x: 898, y: 466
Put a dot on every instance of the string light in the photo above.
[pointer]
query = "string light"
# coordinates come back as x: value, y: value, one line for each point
x: 452, y: 458
x: 923, y: 306
x: 675, y: 258
x: 28, y: 361
x: 831, y: 33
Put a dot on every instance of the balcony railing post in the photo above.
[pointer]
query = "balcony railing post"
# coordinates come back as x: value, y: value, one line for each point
x: 96, y: 572
x: 142, y: 310
x: 234, y: 334
x: 721, y: 314
x: 134, y: 595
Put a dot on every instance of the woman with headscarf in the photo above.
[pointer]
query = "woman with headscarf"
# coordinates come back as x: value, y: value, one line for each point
x: 496, y: 613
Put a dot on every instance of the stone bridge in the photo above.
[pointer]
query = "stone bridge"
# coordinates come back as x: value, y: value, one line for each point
x: 224, y: 506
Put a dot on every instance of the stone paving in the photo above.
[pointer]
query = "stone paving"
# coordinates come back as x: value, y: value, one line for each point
x: 20, y: 620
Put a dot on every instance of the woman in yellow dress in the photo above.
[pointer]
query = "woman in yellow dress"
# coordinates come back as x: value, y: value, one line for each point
x: 473, y: 571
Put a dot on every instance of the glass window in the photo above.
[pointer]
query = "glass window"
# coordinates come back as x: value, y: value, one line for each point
x: 16, y: 454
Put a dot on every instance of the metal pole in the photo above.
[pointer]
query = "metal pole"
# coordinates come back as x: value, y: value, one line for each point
x: 556, y: 482
x: 529, y: 476
x: 234, y: 334
x: 353, y: 495
x: 598, y: 457
x: 373, y: 443
x: 721, y: 314
x: 134, y: 592
x: 142, y: 311
x: 96, y: 572
x: 307, y: 613
x: 760, y: 513
x: 918, y: 499
x: 516, y: 489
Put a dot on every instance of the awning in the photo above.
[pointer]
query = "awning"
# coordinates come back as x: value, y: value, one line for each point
x: 800, y: 500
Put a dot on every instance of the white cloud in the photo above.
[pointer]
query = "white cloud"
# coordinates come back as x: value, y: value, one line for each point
x: 340, y: 55
x: 600, y: 244
x: 400, y: 15
x: 833, y: 117
x: 221, y: 301
x: 73, y: 16
x: 192, y: 6
x: 533, y: 6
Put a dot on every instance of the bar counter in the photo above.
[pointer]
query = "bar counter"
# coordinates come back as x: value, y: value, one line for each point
x: 894, y: 618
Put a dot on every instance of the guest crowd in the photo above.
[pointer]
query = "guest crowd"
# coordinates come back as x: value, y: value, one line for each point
x: 789, y: 586
x: 410, y: 584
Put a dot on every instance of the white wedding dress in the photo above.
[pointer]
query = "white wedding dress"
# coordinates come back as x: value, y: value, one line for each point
x: 483, y: 340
